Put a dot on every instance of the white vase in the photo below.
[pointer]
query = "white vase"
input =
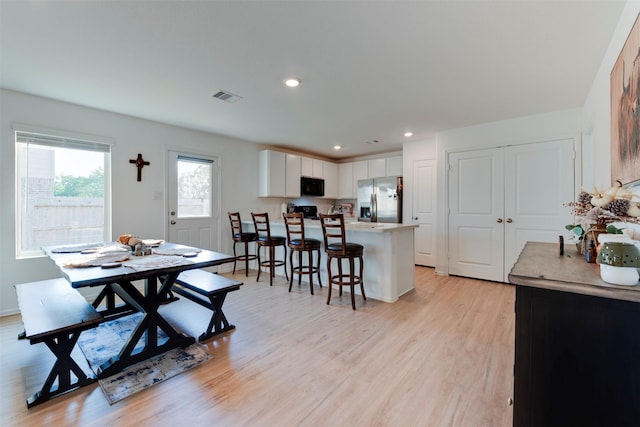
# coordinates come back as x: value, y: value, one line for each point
x: 627, y: 276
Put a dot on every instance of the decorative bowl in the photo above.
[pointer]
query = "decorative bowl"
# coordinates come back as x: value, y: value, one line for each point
x: 619, y: 254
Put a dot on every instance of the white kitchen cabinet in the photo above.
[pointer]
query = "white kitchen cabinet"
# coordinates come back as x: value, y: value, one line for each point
x: 360, y: 171
x: 313, y: 168
x: 272, y: 175
x: 394, y: 166
x: 346, y: 186
x: 292, y: 173
x: 330, y: 171
x: 377, y: 168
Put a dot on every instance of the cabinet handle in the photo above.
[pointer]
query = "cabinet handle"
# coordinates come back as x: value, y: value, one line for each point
x: 510, y: 401
x: 415, y: 218
x: 499, y: 221
x: 172, y: 222
x: 509, y: 220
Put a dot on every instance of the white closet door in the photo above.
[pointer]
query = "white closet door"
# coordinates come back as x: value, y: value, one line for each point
x: 539, y: 179
x: 424, y: 193
x: 476, y: 207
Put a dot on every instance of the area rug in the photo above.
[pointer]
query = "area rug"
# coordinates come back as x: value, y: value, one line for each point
x: 101, y: 343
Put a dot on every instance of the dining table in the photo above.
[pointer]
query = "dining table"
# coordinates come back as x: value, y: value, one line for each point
x: 114, y: 268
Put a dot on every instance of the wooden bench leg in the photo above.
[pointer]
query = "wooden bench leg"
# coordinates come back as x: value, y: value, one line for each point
x: 61, y: 346
x: 218, y: 322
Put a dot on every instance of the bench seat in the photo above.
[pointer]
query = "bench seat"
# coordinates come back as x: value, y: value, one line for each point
x: 209, y: 290
x: 55, y: 313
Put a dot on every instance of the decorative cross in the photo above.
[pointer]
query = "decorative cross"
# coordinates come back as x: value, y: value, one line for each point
x: 140, y: 163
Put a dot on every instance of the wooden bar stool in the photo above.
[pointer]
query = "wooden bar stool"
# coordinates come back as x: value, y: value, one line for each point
x: 240, y: 236
x: 336, y: 247
x: 294, y: 223
x: 265, y: 239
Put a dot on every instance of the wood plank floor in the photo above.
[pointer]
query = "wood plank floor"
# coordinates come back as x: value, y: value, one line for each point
x: 440, y: 356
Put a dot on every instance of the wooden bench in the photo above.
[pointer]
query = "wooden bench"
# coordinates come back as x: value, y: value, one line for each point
x: 209, y: 290
x: 55, y: 313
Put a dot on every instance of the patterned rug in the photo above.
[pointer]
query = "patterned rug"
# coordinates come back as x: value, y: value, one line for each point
x: 101, y: 343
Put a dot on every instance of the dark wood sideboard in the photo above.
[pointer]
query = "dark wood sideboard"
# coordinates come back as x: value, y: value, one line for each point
x: 577, y: 343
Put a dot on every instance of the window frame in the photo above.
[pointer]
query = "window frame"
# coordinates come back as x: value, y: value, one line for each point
x: 59, y: 139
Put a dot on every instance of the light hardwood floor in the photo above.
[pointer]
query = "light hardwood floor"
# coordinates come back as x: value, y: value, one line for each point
x: 440, y: 356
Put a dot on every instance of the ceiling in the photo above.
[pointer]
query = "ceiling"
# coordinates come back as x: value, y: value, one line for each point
x: 370, y: 70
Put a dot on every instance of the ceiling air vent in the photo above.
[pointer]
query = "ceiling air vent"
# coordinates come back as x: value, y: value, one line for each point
x: 226, y: 96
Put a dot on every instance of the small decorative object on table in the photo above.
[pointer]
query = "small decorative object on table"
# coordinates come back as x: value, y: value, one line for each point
x: 619, y: 263
x: 595, y: 212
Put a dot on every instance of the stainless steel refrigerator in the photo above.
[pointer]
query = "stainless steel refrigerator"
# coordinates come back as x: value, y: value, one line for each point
x: 380, y: 199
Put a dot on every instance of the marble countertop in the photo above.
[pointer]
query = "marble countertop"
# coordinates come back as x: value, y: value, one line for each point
x: 376, y: 227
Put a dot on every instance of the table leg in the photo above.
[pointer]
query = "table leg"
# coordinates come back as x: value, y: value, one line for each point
x: 148, y: 327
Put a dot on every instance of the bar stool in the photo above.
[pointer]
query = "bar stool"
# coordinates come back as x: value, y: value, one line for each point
x: 294, y: 223
x: 240, y: 236
x: 265, y: 239
x: 340, y: 249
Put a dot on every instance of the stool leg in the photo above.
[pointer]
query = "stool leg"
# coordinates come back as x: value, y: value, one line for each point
x: 318, y: 268
x: 259, y: 263
x: 272, y: 268
x: 285, y: 263
x: 310, y: 261
x: 246, y: 260
x: 291, y: 267
x: 330, y: 281
x: 352, y: 282
x: 300, y: 267
x: 340, y: 274
x: 362, y: 280
x: 235, y: 257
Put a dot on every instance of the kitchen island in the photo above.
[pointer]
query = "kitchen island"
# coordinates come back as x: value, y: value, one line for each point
x: 388, y: 254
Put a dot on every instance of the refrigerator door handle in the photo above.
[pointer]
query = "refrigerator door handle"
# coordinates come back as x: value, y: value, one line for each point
x: 374, y: 207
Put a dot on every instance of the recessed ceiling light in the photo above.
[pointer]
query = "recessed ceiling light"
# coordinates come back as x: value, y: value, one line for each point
x: 408, y: 134
x: 337, y: 147
x: 292, y: 82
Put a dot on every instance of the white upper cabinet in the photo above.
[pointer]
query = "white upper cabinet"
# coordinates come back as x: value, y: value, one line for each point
x: 360, y: 171
x: 377, y: 168
x: 330, y: 171
x: 292, y: 172
x: 394, y: 166
x: 313, y: 168
x: 346, y: 187
x: 272, y: 176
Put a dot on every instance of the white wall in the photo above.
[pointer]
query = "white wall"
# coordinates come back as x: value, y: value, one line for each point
x: 596, y: 116
x: 134, y: 209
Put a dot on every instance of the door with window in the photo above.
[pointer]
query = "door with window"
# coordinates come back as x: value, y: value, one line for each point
x: 193, y: 217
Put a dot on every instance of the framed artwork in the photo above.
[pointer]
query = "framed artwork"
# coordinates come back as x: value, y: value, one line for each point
x: 625, y: 111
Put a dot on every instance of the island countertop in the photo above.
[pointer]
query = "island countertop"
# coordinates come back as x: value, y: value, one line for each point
x: 389, y: 254
x: 540, y: 266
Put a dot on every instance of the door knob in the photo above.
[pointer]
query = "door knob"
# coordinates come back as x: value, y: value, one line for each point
x: 499, y: 221
x: 509, y: 220
x: 172, y: 222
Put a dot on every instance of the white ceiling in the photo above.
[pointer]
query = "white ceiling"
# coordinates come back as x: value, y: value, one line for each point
x: 370, y: 70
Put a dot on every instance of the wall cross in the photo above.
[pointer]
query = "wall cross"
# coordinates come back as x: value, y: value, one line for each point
x: 140, y: 163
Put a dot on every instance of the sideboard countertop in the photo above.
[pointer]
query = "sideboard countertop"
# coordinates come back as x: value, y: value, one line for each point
x: 540, y: 266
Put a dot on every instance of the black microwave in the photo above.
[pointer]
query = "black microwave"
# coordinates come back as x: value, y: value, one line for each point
x: 311, y: 187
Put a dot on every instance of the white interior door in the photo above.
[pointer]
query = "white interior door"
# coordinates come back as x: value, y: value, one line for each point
x: 476, y: 207
x: 424, y: 176
x: 193, y: 200
x: 539, y: 179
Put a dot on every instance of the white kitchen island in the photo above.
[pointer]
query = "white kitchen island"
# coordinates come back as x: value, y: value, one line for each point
x: 388, y: 255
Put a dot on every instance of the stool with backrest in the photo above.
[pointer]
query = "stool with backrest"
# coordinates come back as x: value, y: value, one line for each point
x: 265, y: 239
x: 240, y: 236
x: 336, y: 247
x: 297, y: 242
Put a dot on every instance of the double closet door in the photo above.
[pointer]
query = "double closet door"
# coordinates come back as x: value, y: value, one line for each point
x: 500, y: 198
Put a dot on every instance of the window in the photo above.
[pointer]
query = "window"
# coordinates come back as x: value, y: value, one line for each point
x: 194, y: 187
x: 62, y: 192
